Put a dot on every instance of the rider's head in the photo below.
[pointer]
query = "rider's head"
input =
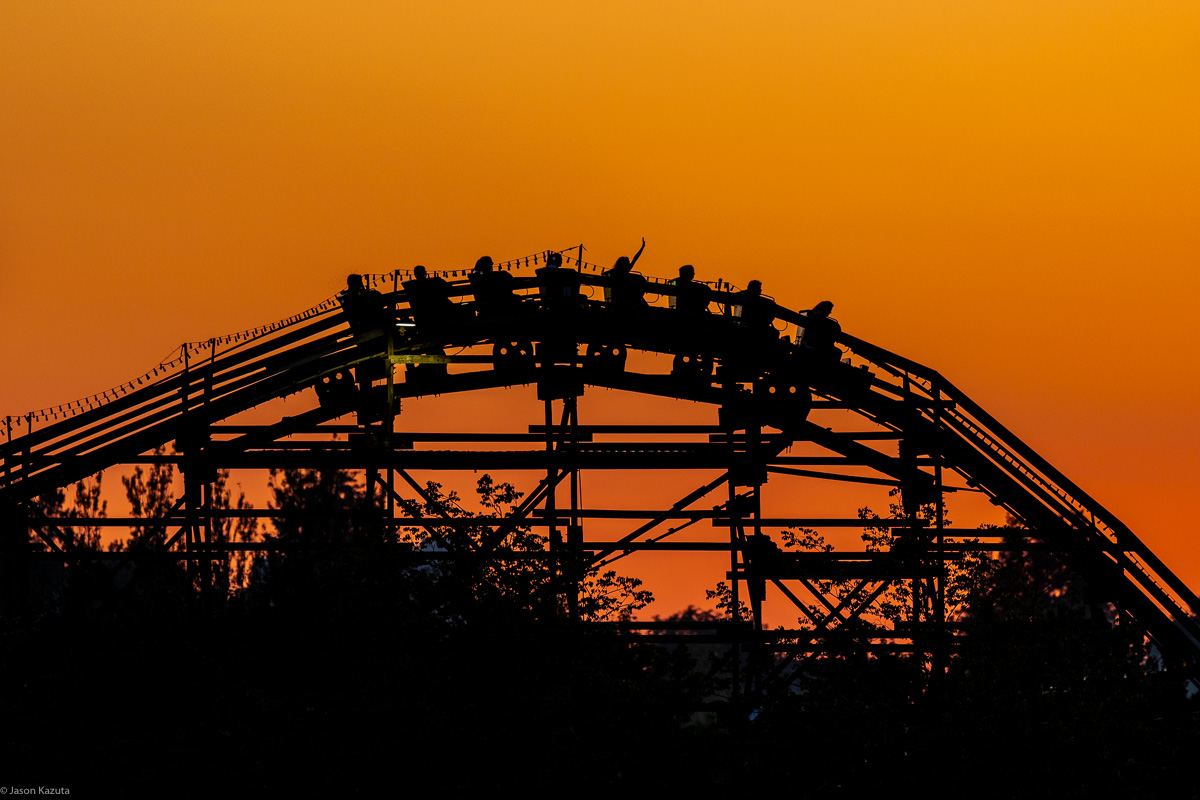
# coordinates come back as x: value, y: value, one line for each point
x: 419, y: 272
x: 823, y: 308
x: 687, y: 272
x: 354, y: 282
x: 484, y: 264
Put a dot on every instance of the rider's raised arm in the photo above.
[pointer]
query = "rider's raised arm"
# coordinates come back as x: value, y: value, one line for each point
x: 638, y: 254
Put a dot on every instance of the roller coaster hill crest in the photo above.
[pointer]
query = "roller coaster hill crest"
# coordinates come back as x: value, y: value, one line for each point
x: 567, y: 326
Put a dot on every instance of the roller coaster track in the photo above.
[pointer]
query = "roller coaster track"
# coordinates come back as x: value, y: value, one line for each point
x: 991, y: 457
x: 760, y: 380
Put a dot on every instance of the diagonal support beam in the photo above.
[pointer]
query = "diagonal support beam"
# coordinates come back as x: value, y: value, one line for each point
x: 429, y: 526
x: 800, y: 604
x: 835, y: 611
x: 429, y: 501
x: 170, y: 542
x: 779, y: 672
x: 865, y: 604
x: 681, y: 504
x: 651, y: 540
x: 518, y: 515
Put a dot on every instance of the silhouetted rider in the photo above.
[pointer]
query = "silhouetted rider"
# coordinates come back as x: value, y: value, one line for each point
x: 690, y: 297
x: 429, y: 299
x: 626, y: 287
x: 821, y: 330
x: 364, y: 308
x: 366, y: 312
x: 558, y: 286
x: 752, y: 309
x: 493, y: 289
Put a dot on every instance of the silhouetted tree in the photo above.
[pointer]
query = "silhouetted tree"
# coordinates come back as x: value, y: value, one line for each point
x: 88, y: 504
x: 233, y: 572
x: 151, y: 496
x: 331, y: 546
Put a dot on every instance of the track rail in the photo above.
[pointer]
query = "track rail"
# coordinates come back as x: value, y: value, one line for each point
x: 1034, y: 491
x: 918, y: 403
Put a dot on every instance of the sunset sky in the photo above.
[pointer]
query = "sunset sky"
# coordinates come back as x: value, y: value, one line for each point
x: 1008, y: 192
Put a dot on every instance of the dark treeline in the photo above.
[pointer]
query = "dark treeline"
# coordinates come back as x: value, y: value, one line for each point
x: 352, y: 666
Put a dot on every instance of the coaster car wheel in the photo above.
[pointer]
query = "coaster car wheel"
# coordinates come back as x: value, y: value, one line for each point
x: 512, y: 355
x: 606, y: 357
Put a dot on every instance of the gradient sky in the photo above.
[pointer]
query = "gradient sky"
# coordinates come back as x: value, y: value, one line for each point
x: 1006, y: 191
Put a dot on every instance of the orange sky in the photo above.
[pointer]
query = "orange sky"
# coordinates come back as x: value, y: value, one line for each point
x: 1006, y: 191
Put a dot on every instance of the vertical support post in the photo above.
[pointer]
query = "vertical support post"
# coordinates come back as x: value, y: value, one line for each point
x: 755, y: 598
x: 574, y: 527
x: 8, y: 431
x: 729, y: 421
x: 188, y: 467
x: 15, y: 542
x: 555, y: 537
x: 734, y: 602
x: 753, y: 457
x: 212, y: 370
x: 192, y: 504
x: 207, y: 573
x: 185, y: 382
x: 208, y: 593
x: 27, y: 453
x: 939, y: 609
x: 390, y: 414
x: 755, y: 584
x: 5, y: 477
x: 911, y: 511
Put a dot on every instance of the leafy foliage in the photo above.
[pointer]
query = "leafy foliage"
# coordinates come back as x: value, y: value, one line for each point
x: 86, y: 503
x: 471, y: 564
x: 325, y: 663
x: 151, y: 496
x: 724, y: 605
x: 233, y: 574
x: 903, y: 601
